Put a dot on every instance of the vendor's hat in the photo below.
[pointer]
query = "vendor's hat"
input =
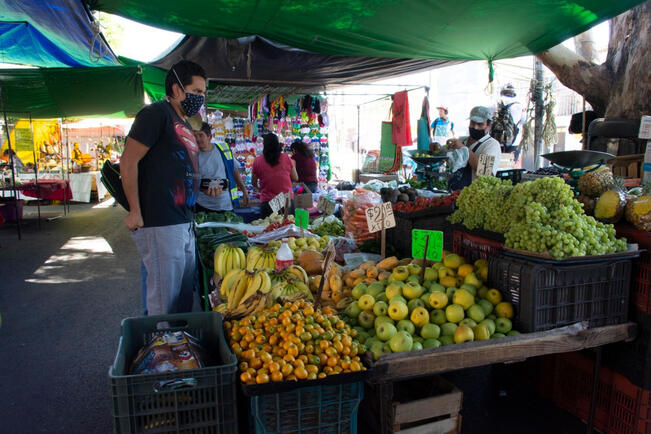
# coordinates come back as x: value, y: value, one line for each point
x: 480, y: 114
x: 444, y: 107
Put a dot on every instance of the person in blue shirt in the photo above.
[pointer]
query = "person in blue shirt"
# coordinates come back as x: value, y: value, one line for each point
x: 442, y: 127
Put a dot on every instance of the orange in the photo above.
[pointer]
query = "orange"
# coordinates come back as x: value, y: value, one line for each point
x: 246, y: 378
x: 276, y: 376
x: 321, y: 375
x: 262, y: 378
x: 286, y: 370
x: 504, y: 310
x: 333, y: 361
x: 301, y: 373
x: 256, y: 363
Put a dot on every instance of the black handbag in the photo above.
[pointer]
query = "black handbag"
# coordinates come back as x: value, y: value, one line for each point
x: 113, y: 182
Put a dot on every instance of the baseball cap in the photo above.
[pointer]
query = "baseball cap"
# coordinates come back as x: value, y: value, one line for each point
x: 480, y: 114
x: 444, y: 107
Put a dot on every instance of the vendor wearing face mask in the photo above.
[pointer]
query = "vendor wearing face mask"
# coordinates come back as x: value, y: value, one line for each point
x: 480, y: 142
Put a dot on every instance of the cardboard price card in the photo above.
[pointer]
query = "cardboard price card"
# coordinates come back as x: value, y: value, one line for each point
x: 301, y: 218
x: 434, y: 244
x: 277, y: 203
x: 326, y: 205
x: 380, y: 217
x: 485, y: 165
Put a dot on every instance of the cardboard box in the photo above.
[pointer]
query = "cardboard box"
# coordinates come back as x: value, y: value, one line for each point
x: 304, y: 200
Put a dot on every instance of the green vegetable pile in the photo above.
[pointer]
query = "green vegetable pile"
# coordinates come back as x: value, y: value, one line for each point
x: 209, y: 238
x: 330, y: 225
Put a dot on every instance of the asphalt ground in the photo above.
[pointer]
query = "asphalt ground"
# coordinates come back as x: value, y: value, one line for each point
x: 64, y: 290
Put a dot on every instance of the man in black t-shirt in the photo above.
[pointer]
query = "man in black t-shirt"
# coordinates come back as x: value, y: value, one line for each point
x: 160, y: 177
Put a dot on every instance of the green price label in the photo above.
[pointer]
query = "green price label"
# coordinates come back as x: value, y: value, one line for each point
x: 434, y: 245
x: 302, y: 218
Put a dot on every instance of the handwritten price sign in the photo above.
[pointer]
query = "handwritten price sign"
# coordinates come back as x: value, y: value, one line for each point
x: 380, y: 217
x: 325, y: 205
x: 278, y: 202
x: 485, y: 165
x: 301, y: 218
x: 434, y: 244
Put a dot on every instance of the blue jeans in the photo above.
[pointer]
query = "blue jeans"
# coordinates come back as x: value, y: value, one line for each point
x: 143, y: 278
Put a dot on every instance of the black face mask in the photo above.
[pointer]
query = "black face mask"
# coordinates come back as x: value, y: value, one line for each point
x: 476, y: 134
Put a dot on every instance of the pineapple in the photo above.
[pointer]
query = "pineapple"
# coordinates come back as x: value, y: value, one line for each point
x: 593, y: 184
x: 609, y: 207
x: 638, y: 210
x: 588, y: 203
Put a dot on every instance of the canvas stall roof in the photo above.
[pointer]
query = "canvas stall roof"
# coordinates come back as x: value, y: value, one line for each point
x: 72, y: 92
x: 51, y: 33
x: 419, y: 29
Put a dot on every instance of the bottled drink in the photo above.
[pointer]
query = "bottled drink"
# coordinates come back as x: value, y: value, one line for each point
x: 284, y: 257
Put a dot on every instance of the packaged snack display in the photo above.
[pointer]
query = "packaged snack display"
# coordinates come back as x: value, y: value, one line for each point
x: 169, y: 352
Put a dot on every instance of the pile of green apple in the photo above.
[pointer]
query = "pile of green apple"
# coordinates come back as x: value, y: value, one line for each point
x: 399, y: 314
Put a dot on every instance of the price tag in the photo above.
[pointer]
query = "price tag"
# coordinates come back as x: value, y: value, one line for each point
x: 302, y: 218
x: 485, y: 165
x: 24, y: 140
x: 326, y: 205
x: 327, y: 264
x: 434, y: 245
x: 645, y: 128
x: 380, y: 217
x: 277, y: 203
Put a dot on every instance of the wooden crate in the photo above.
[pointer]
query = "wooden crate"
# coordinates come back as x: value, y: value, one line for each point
x: 427, y: 405
x: 627, y: 166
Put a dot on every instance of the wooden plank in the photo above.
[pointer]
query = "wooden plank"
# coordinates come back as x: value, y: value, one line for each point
x: 449, y: 403
x: 444, y: 426
x: 460, y: 356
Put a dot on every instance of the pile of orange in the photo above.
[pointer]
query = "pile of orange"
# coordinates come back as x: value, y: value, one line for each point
x: 293, y: 342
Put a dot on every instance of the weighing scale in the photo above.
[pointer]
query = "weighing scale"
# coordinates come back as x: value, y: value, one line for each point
x: 431, y: 167
x: 574, y: 163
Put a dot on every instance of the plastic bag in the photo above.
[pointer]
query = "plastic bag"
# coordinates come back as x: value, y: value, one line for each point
x: 169, y: 352
x: 280, y: 233
x: 354, y: 260
x: 343, y: 246
x: 355, y: 214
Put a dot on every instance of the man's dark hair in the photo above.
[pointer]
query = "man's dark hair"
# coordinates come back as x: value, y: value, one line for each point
x: 271, y: 148
x: 185, y: 69
x: 206, y: 129
x: 301, y: 147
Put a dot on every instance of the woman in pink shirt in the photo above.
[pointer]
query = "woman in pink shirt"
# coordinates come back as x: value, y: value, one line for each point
x: 273, y: 173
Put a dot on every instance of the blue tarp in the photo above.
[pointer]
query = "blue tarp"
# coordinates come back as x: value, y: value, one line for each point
x: 50, y: 33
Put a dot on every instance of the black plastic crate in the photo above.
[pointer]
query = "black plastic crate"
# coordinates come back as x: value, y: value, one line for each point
x: 633, y: 359
x: 476, y: 244
x: 546, y: 296
x: 400, y: 236
x: 202, y: 400
x: 319, y: 409
x: 513, y: 175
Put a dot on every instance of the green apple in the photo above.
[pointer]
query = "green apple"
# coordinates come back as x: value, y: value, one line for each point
x: 454, y: 313
x: 400, y: 273
x: 380, y: 308
x: 366, y: 319
x: 417, y: 338
x: 437, y: 316
x: 366, y: 302
x: 414, y: 269
x: 471, y: 289
x: 425, y: 298
x: 391, y: 279
x: 482, y: 292
x: 394, y: 289
x: 427, y: 284
x: 437, y: 287
x: 413, y: 278
x: 375, y: 289
x: 498, y: 335
x: 486, y: 305
x: 415, y: 346
x: 398, y: 310
x: 406, y: 325
x: 513, y: 333
x: 419, y: 316
x: 450, y: 292
x: 446, y: 340
x: 398, y: 298
x: 473, y: 280
x: 377, y: 349
x: 413, y: 304
x: 448, y: 328
x: 491, y: 316
x: 386, y: 348
x: 379, y: 319
x: 401, y: 341
x: 384, y: 282
x: 490, y: 323
x: 431, y: 343
x: 371, y: 331
x: 412, y: 290
x: 353, y: 310
x: 362, y: 337
x: 468, y: 322
x: 382, y: 297
x: 464, y: 298
x: 431, y: 274
x: 474, y: 312
x: 385, y: 331
x: 482, y: 332
x: 359, y: 290
x: 463, y: 333
x: 359, y: 329
x: 503, y: 325
x: 430, y: 331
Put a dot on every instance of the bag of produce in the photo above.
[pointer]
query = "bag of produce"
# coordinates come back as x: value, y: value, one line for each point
x: 355, y: 214
x: 169, y: 352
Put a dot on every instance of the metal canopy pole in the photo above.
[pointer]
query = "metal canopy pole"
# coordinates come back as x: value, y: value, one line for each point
x: 13, y: 164
x: 38, y: 190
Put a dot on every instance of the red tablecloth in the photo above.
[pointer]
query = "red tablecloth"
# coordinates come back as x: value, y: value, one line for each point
x: 48, y: 189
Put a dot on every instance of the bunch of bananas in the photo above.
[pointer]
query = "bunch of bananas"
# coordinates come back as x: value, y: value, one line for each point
x: 291, y: 290
x: 292, y: 272
x: 260, y: 258
x: 245, y: 292
x: 334, y: 294
x: 227, y: 258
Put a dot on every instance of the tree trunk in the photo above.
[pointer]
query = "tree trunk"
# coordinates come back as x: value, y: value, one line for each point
x: 619, y: 88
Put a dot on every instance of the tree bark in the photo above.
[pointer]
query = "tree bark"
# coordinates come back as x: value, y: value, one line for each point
x: 618, y: 88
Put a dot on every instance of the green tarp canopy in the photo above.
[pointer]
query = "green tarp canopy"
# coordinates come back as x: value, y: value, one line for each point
x: 434, y: 29
x: 73, y: 92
